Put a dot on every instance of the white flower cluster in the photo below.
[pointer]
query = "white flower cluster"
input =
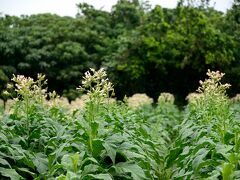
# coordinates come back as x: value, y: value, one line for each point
x: 78, y: 103
x: 212, y: 84
x: 58, y: 102
x: 8, y: 106
x: 81, y: 102
x: 138, y: 100
x: 193, y: 97
x: 166, y: 98
x: 96, y: 84
x: 27, y: 90
x: 236, y: 98
x: 27, y: 87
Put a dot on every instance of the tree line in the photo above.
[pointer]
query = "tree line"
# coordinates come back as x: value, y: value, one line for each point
x: 143, y: 49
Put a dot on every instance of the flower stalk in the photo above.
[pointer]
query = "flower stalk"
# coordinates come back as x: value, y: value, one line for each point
x: 98, y: 88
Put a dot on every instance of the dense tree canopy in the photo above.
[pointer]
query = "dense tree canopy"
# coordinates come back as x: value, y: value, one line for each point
x: 144, y: 49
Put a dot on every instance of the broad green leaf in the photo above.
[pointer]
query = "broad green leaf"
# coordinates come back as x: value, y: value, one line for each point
x: 181, y: 174
x: 207, y: 163
x: 185, y: 151
x: 90, y: 168
x: 223, y: 149
x: 26, y: 171
x: 27, y: 161
x: 11, y: 173
x: 72, y: 175
x: 200, y: 155
x: 89, y: 159
x: 172, y: 156
x: 236, y: 174
x: 4, y: 162
x: 111, y: 151
x: 3, y: 137
x: 41, y: 162
x: 97, y: 145
x: 55, y: 168
x: 66, y: 162
x: 131, y: 154
x: 228, y: 136
x: 101, y: 176
x: 62, y: 177
x: 137, y: 172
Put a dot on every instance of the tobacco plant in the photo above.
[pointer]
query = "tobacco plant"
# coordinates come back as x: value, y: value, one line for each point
x: 207, y: 145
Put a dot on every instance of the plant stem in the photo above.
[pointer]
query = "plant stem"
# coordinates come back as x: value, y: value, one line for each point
x: 91, y: 119
x: 27, y: 119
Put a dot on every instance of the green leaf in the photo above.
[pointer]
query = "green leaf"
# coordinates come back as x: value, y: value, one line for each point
x: 90, y: 168
x: 228, y: 136
x: 200, y: 155
x: 11, y: 173
x: 26, y: 171
x: 72, y: 176
x: 55, y: 168
x: 137, y: 172
x: 172, y: 156
x: 41, y: 162
x: 4, y: 162
x: 111, y: 152
x: 66, y: 162
x: 227, y: 171
x: 3, y: 137
x: 89, y: 159
x: 62, y: 177
x: 182, y: 174
x: 223, y: 149
x: 101, y: 176
x: 131, y: 154
x: 185, y: 151
x: 236, y: 174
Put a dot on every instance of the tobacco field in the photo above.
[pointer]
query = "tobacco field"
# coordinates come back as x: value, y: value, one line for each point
x: 96, y: 137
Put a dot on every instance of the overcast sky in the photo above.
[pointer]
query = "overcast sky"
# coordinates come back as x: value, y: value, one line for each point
x: 68, y: 7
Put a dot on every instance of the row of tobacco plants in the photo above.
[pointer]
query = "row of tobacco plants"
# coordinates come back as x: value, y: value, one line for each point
x: 104, y: 139
x: 208, y: 142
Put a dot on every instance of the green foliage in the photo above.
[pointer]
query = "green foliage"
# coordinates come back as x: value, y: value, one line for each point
x: 100, y: 141
x: 143, y: 50
x: 156, y: 49
x: 207, y: 144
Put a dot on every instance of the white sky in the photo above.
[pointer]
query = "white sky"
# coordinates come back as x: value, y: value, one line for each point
x: 68, y: 7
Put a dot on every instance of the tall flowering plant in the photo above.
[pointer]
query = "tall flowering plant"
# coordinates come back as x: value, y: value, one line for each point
x: 98, y: 88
